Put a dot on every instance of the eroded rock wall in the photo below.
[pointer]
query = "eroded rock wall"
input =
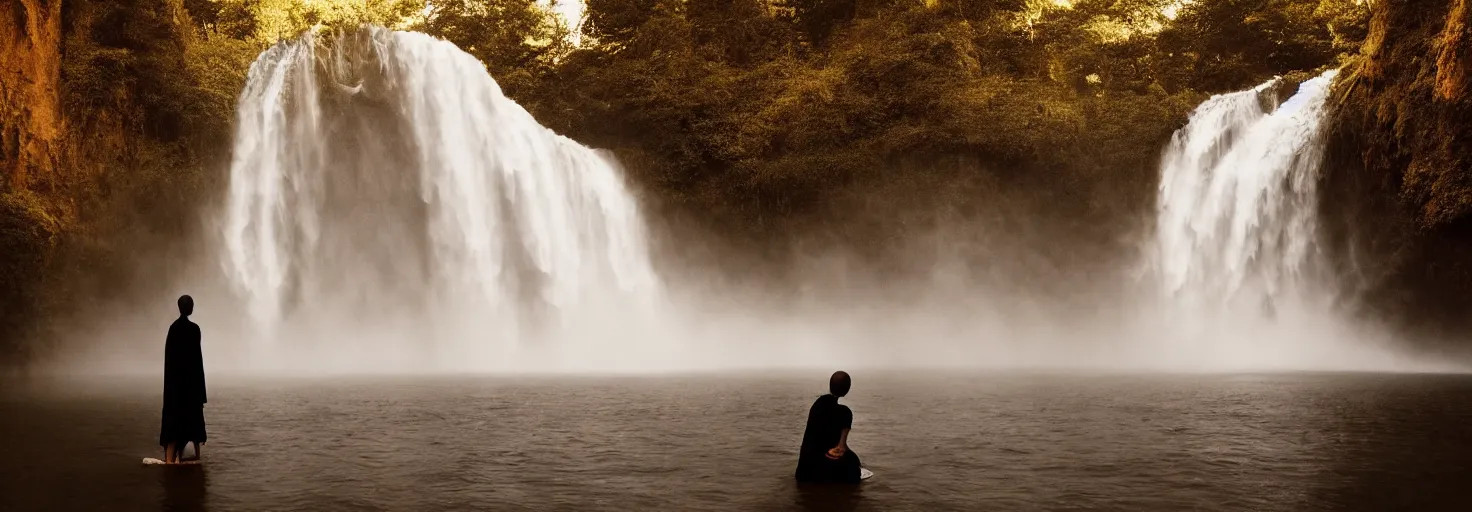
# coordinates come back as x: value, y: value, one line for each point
x: 31, y: 122
x: 32, y: 133
x: 1398, y: 179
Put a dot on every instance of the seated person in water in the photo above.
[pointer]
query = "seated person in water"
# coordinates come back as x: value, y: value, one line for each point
x: 824, y: 456
x: 184, y: 395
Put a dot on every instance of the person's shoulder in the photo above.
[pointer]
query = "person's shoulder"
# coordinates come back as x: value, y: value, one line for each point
x: 185, y: 324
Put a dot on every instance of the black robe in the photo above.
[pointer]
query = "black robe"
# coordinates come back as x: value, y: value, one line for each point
x: 826, y: 421
x: 184, y: 395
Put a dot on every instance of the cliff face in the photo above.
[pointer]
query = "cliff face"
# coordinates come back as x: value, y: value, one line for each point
x: 32, y: 131
x: 1398, y: 179
x: 107, y: 117
x: 30, y: 91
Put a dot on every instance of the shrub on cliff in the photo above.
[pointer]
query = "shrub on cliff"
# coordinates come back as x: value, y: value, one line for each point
x: 27, y: 233
x: 1398, y: 182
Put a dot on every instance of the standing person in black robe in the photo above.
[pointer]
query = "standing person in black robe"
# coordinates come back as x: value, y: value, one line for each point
x: 824, y: 456
x: 184, y: 396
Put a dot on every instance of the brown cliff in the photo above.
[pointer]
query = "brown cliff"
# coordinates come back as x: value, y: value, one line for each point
x: 31, y: 122
x: 1398, y: 179
x: 98, y: 151
x: 32, y: 131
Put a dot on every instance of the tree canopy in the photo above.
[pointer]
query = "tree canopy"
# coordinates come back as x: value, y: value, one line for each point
x: 764, y: 123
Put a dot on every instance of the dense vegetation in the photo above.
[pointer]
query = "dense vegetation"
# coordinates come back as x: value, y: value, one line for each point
x: 1399, y: 169
x: 774, y: 127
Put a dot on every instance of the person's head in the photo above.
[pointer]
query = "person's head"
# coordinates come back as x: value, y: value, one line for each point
x: 839, y: 383
x: 186, y: 305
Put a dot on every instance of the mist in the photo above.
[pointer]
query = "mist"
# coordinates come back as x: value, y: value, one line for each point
x: 344, y: 264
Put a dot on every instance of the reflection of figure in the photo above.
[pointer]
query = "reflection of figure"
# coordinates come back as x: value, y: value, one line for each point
x: 184, y: 490
x: 1269, y: 310
x: 829, y: 498
x: 184, y: 395
x: 824, y: 456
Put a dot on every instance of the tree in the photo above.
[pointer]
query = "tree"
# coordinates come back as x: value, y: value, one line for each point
x: 737, y: 31
x: 265, y: 22
x: 1347, y: 20
x: 613, y: 22
x: 517, y: 40
x: 817, y: 19
x: 1234, y: 44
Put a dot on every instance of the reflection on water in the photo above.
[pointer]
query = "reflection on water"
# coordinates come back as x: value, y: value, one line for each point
x: 1398, y: 447
x: 184, y: 487
x: 1300, y: 442
x: 824, y: 497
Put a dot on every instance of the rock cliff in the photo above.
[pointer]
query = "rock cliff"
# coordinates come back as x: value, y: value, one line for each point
x: 1398, y: 179
x: 31, y: 122
x: 32, y: 133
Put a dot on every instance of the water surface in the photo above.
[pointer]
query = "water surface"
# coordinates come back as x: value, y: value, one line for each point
x: 953, y: 441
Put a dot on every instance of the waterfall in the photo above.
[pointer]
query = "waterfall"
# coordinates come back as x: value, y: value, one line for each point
x: 1237, y: 220
x: 383, y: 177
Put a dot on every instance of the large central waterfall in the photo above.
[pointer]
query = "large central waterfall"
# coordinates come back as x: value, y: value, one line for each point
x: 1238, y: 205
x: 383, y: 185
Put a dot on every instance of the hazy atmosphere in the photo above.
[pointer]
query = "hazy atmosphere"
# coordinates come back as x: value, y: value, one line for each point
x: 1106, y: 255
x: 400, y: 186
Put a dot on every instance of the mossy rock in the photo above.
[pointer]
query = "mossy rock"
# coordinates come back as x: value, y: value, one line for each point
x: 1397, y: 182
x: 28, y: 233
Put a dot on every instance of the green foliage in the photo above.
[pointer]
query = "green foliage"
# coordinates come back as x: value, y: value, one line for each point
x: 389, y: 13
x: 740, y: 106
x: 1233, y: 44
x: 612, y: 23
x: 234, y: 19
x: 148, y: 106
x: 740, y: 32
x: 1072, y: 102
x: 125, y: 54
x: 816, y: 20
x: 1398, y: 169
x: 1347, y: 20
x: 25, y: 221
x: 218, y: 67
x: 28, y: 232
x: 849, y: 121
x: 267, y: 21
x: 518, y: 40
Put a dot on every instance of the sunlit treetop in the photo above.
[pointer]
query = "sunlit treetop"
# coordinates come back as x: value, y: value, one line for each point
x: 268, y: 21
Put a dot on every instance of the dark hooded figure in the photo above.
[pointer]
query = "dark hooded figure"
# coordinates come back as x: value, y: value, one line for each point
x: 184, y: 396
x: 824, y: 456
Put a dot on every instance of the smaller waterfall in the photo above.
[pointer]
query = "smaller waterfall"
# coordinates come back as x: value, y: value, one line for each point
x: 1237, y: 221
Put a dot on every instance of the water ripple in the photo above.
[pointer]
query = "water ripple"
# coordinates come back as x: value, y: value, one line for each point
x: 1002, y: 442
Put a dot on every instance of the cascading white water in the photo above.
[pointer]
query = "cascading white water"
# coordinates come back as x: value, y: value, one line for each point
x: 381, y: 177
x: 1238, y: 202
